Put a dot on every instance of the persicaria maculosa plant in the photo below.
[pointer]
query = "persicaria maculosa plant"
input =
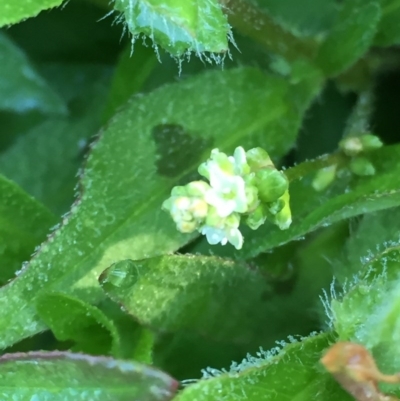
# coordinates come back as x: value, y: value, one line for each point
x: 199, y: 200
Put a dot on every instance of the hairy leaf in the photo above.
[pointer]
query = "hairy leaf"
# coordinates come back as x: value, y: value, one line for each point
x: 155, y: 143
x: 195, y: 293
x: 292, y: 373
x: 368, y: 310
x: 21, y: 87
x: 12, y: 12
x: 24, y: 224
x: 62, y: 376
x: 350, y: 37
x: 178, y: 25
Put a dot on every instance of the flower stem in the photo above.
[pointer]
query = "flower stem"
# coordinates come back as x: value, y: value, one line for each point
x: 312, y: 166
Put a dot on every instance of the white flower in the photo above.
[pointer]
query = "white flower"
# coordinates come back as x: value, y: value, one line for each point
x: 223, y: 236
x: 228, y: 191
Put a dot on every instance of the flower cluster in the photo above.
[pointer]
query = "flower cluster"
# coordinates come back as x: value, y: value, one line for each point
x: 245, y: 184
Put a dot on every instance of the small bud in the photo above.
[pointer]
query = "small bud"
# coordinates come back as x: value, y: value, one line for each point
x: 257, y: 218
x: 370, y: 142
x: 258, y: 158
x: 240, y: 160
x: 271, y: 184
x: 276, y: 207
x: 186, y: 227
x: 362, y: 166
x: 179, y: 191
x: 283, y: 219
x: 324, y: 177
x: 351, y: 146
x: 196, y: 188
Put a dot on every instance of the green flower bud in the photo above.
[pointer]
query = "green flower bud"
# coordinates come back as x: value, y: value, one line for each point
x: 179, y: 191
x: 196, y: 188
x: 276, y: 207
x: 351, y: 146
x: 271, y: 184
x: 324, y: 177
x: 203, y: 170
x: 240, y: 159
x: 251, y: 196
x: 283, y: 219
x: 257, y: 218
x: 370, y: 142
x: 186, y: 227
x: 362, y: 166
x: 258, y: 158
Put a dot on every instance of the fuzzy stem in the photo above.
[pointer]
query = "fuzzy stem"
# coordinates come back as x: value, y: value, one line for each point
x: 312, y: 166
x: 358, y: 122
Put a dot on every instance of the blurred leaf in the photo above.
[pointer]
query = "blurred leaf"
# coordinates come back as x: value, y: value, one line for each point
x: 389, y: 27
x: 301, y: 17
x: 128, y: 176
x: 178, y: 25
x: 192, y: 293
x: 21, y: 87
x: 134, y: 67
x: 56, y: 146
x: 62, y: 376
x: 351, y: 35
x: 266, y: 377
x: 12, y: 12
x: 348, y: 196
x: 262, y: 27
x: 24, y: 224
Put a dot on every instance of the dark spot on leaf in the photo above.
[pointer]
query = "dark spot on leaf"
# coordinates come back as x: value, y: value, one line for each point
x: 177, y: 150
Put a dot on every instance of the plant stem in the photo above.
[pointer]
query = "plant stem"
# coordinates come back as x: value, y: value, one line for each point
x: 251, y: 21
x: 312, y: 166
x: 358, y: 122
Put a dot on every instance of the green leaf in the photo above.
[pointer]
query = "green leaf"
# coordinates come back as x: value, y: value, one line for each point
x: 62, y: 376
x: 178, y: 25
x: 89, y: 328
x: 12, y: 12
x: 24, y: 224
x: 21, y: 87
x: 368, y: 310
x: 56, y: 146
x: 266, y: 377
x: 350, y: 37
x: 347, y: 197
x: 95, y: 331
x: 136, y: 342
x: 131, y: 171
x: 389, y: 29
x: 194, y: 293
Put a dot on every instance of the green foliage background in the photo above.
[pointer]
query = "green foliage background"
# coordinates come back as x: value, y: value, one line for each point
x: 104, y: 108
